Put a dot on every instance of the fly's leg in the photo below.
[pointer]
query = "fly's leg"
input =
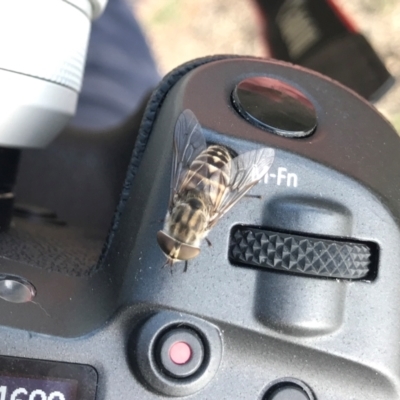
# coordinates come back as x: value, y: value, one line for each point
x: 208, y: 242
x: 168, y: 263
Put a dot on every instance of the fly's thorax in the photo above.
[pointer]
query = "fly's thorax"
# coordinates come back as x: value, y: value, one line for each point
x: 210, y: 163
x: 188, y: 220
x: 210, y: 172
x: 217, y: 156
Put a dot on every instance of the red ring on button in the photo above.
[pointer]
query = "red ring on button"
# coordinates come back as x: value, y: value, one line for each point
x: 180, y: 353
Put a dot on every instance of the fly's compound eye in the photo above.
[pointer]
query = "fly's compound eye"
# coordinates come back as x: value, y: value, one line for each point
x: 166, y: 242
x: 175, y: 249
x: 186, y: 252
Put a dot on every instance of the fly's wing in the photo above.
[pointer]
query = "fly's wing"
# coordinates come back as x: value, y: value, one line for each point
x: 246, y: 170
x: 189, y: 142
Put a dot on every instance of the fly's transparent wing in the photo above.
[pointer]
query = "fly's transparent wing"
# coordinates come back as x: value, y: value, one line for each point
x: 245, y: 171
x: 189, y: 142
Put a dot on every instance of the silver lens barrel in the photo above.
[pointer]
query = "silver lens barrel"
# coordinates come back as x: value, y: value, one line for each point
x: 42, y: 58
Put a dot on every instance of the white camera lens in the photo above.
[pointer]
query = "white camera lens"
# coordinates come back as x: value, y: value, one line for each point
x: 42, y: 57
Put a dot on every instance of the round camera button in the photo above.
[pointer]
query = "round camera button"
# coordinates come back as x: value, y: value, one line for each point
x: 180, y: 352
x: 275, y: 106
x: 289, y: 393
x: 15, y: 289
x: 288, y: 389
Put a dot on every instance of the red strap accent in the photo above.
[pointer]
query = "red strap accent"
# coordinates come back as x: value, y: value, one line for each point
x: 344, y: 19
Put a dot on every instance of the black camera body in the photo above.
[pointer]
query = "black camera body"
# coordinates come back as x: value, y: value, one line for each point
x: 296, y: 298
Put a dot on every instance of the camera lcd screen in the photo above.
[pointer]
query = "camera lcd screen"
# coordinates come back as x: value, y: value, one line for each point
x: 27, y: 379
x: 13, y: 387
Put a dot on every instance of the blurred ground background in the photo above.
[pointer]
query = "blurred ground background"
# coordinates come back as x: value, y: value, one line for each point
x: 180, y: 30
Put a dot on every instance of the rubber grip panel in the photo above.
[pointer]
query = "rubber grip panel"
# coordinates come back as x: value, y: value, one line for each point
x: 299, y: 254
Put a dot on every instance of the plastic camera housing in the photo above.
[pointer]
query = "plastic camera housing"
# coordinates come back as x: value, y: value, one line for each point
x: 298, y: 296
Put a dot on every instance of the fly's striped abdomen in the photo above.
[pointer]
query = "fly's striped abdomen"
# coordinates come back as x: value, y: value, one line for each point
x: 188, y: 220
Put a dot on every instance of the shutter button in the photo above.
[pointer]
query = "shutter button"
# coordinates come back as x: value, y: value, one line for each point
x: 180, y: 352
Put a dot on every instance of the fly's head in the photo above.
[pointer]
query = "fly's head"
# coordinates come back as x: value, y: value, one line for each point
x: 174, y: 249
